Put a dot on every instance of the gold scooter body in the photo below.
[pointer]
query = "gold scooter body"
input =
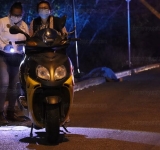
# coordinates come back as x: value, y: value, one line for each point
x: 38, y: 90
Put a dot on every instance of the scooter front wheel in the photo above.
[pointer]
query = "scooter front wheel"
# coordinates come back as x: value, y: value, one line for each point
x: 52, y: 123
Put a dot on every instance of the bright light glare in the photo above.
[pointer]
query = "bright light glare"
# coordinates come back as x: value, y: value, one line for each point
x: 12, y: 50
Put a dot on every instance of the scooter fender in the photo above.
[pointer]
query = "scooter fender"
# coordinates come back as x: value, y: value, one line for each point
x: 31, y: 86
x: 70, y: 85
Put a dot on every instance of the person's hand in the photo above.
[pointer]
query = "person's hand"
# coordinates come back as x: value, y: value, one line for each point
x: 20, y: 48
x: 8, y: 47
x: 64, y: 31
x: 64, y: 34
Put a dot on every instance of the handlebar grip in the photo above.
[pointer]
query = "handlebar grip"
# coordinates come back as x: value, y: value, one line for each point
x: 20, y: 42
x: 75, y: 39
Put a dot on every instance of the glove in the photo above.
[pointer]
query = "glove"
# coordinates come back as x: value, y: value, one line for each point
x: 8, y: 48
x: 20, y: 48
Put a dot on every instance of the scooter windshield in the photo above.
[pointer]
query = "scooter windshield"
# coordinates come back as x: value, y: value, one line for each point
x: 49, y: 37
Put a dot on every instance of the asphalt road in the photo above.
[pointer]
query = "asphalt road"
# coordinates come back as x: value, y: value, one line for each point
x: 111, y: 116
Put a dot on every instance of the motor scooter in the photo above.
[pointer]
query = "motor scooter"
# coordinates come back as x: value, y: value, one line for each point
x: 46, y: 77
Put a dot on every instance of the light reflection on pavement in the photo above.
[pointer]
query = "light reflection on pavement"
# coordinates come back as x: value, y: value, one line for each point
x: 150, y: 138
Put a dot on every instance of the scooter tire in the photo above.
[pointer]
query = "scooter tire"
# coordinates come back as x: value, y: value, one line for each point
x: 52, y: 123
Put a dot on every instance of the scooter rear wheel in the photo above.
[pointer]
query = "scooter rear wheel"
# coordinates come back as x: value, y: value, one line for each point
x: 52, y: 123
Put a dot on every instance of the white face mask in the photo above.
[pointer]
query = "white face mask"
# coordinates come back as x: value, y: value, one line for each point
x: 15, y: 19
x: 44, y: 13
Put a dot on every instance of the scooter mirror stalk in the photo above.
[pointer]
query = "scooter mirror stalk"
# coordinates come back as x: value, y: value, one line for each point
x: 15, y: 30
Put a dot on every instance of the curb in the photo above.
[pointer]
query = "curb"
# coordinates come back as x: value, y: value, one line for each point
x: 136, y: 70
x: 99, y: 80
x: 89, y: 82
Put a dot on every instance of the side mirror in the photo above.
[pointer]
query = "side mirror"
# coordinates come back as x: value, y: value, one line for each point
x: 15, y: 30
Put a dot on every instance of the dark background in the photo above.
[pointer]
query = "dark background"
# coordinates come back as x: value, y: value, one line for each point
x: 102, y: 26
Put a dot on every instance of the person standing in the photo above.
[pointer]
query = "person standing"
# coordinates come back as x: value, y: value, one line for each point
x: 11, y: 55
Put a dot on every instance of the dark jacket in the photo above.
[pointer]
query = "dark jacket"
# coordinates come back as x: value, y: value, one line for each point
x: 58, y: 23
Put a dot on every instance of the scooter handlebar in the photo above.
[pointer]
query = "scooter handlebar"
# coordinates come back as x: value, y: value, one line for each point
x: 74, y: 39
x: 70, y: 39
x: 20, y: 42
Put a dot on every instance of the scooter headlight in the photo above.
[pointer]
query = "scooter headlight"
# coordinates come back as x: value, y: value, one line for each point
x: 42, y: 72
x: 60, y: 72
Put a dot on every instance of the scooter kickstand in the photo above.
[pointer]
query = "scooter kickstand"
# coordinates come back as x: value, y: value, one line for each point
x: 65, y: 128
x: 31, y: 133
